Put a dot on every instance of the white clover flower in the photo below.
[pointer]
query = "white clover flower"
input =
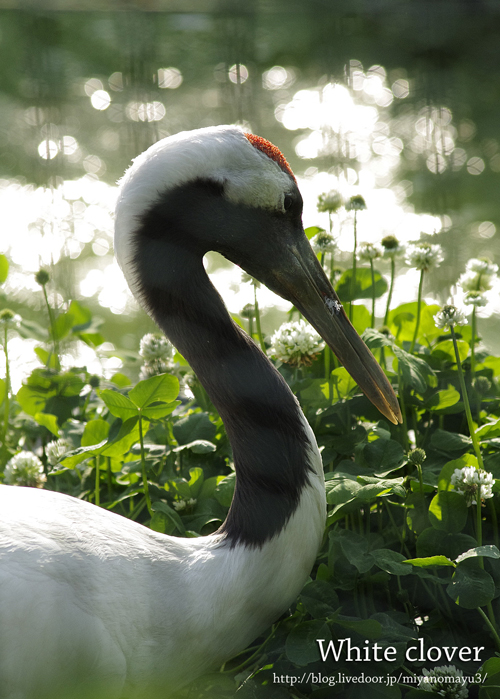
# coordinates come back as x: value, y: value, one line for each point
x: 391, y: 247
x: 9, y: 318
x: 295, y: 343
x: 191, y: 502
x: 467, y: 480
x: 470, y: 281
x: 446, y: 681
x: 155, y: 367
x: 475, y: 298
x: 356, y: 203
x: 323, y: 242
x: 424, y: 256
x: 481, y: 265
x: 25, y: 468
x: 369, y: 251
x: 330, y: 201
x: 449, y: 316
x: 179, y: 505
x: 56, y: 450
x: 155, y: 346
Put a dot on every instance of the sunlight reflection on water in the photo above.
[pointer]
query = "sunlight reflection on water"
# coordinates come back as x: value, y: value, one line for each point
x: 349, y: 130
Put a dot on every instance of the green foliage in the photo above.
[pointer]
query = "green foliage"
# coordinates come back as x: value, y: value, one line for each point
x: 4, y: 268
x: 402, y: 557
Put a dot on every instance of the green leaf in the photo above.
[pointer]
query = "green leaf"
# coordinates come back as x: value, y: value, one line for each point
x: 446, y: 350
x: 48, y: 359
x: 4, y: 268
x: 445, y: 441
x: 489, y: 551
x: 375, y: 339
x: 126, y: 437
x: 180, y: 487
x: 162, y: 387
x: 442, y: 401
x: 320, y: 599
x: 355, y: 549
x: 489, y: 430
x: 156, y: 412
x: 343, y: 383
x: 196, y: 481
x: 3, y: 390
x: 384, y: 455
x: 341, y: 491
x: 198, y: 446
x: 430, y: 562
x: 32, y: 400
x: 62, y: 326
x: 491, y: 666
x: 159, y: 506
x: 433, y: 542
x: 193, y: 427
x: 49, y: 421
x: 390, y: 561
x: 95, y: 432
x: 91, y: 339
x: 78, y: 455
x: 158, y: 522
x: 448, y: 511
x: 118, y: 405
x: 311, y: 231
x: 471, y: 587
x: 417, y: 512
x: 225, y: 490
x: 120, y: 380
x: 415, y: 371
x: 363, y: 288
x: 301, y: 647
x: 369, y: 628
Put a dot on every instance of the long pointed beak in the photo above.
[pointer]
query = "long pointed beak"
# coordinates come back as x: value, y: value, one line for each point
x: 305, y: 284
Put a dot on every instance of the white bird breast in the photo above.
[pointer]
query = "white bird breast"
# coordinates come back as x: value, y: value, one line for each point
x: 85, y: 593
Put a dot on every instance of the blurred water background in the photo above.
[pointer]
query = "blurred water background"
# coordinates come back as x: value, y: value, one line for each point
x: 395, y: 100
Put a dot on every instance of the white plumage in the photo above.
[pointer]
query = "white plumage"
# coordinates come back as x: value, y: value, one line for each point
x: 96, y: 602
x: 92, y: 604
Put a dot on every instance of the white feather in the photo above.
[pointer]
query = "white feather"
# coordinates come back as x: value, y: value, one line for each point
x: 100, y: 595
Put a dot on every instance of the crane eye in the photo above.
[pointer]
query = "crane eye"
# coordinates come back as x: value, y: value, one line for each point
x: 288, y: 201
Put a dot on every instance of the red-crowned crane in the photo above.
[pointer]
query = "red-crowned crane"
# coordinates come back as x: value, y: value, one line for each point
x: 93, y: 604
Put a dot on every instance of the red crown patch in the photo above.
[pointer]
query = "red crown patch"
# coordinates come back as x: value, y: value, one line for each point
x: 271, y: 151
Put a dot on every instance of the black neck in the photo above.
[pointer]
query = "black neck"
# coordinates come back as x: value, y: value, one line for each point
x: 262, y: 418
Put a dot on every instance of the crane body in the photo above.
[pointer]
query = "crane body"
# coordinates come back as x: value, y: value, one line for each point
x: 100, y: 604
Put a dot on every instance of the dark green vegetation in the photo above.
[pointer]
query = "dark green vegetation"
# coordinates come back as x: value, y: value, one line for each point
x: 392, y: 568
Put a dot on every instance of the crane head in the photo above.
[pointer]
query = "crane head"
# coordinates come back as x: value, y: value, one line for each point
x: 220, y: 189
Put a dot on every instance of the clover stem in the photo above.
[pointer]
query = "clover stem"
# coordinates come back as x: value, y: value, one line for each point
x: 465, y: 398
x: 353, y: 271
x: 391, y: 289
x: 419, y: 308
x: 473, y: 345
x: 7, y: 392
x: 143, y: 469
x: 257, y: 320
x: 373, y: 294
x: 53, y: 334
x: 97, y: 480
x: 490, y: 625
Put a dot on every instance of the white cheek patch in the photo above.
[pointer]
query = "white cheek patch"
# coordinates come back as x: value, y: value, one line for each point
x: 263, y: 186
